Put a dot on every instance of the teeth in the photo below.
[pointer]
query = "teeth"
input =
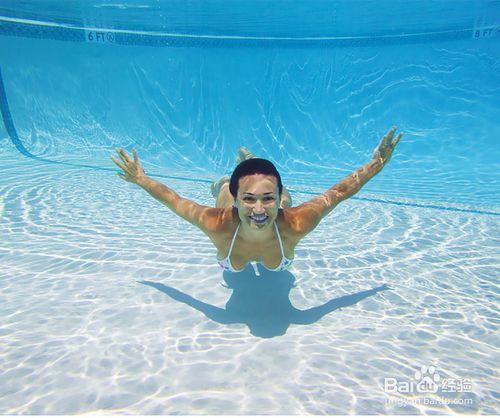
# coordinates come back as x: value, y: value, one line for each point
x: 259, y: 218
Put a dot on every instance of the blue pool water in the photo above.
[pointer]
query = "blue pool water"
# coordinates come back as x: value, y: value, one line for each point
x: 111, y: 304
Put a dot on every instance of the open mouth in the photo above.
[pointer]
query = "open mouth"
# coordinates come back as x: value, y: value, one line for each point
x: 259, y: 219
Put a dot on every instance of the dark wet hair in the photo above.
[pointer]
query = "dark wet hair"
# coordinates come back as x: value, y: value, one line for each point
x: 253, y: 166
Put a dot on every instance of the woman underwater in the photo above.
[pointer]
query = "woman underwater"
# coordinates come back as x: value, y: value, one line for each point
x: 254, y: 219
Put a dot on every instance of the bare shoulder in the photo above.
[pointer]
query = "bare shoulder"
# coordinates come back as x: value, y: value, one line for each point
x: 219, y: 225
x: 217, y: 220
x: 303, y: 219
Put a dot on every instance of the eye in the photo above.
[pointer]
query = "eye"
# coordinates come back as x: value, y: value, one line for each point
x: 269, y: 198
x: 248, y: 199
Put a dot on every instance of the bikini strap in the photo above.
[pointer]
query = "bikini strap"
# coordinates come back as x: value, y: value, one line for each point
x: 279, y: 239
x: 232, y: 241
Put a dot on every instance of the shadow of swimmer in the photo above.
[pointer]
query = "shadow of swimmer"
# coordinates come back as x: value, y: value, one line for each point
x: 262, y: 302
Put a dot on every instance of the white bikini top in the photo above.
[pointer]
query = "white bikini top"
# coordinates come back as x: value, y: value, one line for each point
x: 225, y: 263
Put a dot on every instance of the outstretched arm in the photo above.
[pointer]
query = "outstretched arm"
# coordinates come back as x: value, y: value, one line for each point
x: 204, y: 217
x: 310, y: 213
x: 353, y: 183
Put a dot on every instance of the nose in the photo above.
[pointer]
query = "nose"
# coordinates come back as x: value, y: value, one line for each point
x: 258, y: 207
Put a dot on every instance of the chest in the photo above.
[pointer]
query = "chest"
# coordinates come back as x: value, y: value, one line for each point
x: 269, y: 252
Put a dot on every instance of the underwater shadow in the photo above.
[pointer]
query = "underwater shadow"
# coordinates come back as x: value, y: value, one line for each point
x: 262, y: 301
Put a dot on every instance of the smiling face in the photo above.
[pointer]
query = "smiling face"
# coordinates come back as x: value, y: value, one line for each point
x: 258, y: 200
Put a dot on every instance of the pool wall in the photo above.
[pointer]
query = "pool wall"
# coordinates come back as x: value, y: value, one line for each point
x: 316, y: 106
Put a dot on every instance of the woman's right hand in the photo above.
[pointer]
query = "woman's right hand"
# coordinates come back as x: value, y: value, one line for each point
x: 132, y: 169
x: 385, y: 148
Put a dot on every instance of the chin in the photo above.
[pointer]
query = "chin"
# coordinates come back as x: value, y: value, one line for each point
x: 258, y: 226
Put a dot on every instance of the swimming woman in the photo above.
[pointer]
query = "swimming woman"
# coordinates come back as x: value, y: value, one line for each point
x: 254, y: 219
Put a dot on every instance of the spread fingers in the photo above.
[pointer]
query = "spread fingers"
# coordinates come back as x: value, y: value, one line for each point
x: 123, y: 154
x: 118, y: 163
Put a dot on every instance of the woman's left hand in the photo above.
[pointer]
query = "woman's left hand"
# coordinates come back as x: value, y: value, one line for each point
x: 132, y: 169
x: 387, y: 145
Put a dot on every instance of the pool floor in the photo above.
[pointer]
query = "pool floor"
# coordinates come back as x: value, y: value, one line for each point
x: 110, y: 303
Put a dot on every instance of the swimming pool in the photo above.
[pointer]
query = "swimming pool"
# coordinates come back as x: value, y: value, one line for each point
x: 111, y: 304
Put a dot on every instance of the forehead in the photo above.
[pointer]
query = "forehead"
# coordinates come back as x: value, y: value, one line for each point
x: 257, y: 184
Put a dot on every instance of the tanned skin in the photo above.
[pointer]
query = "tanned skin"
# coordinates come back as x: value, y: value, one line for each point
x: 257, y: 195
